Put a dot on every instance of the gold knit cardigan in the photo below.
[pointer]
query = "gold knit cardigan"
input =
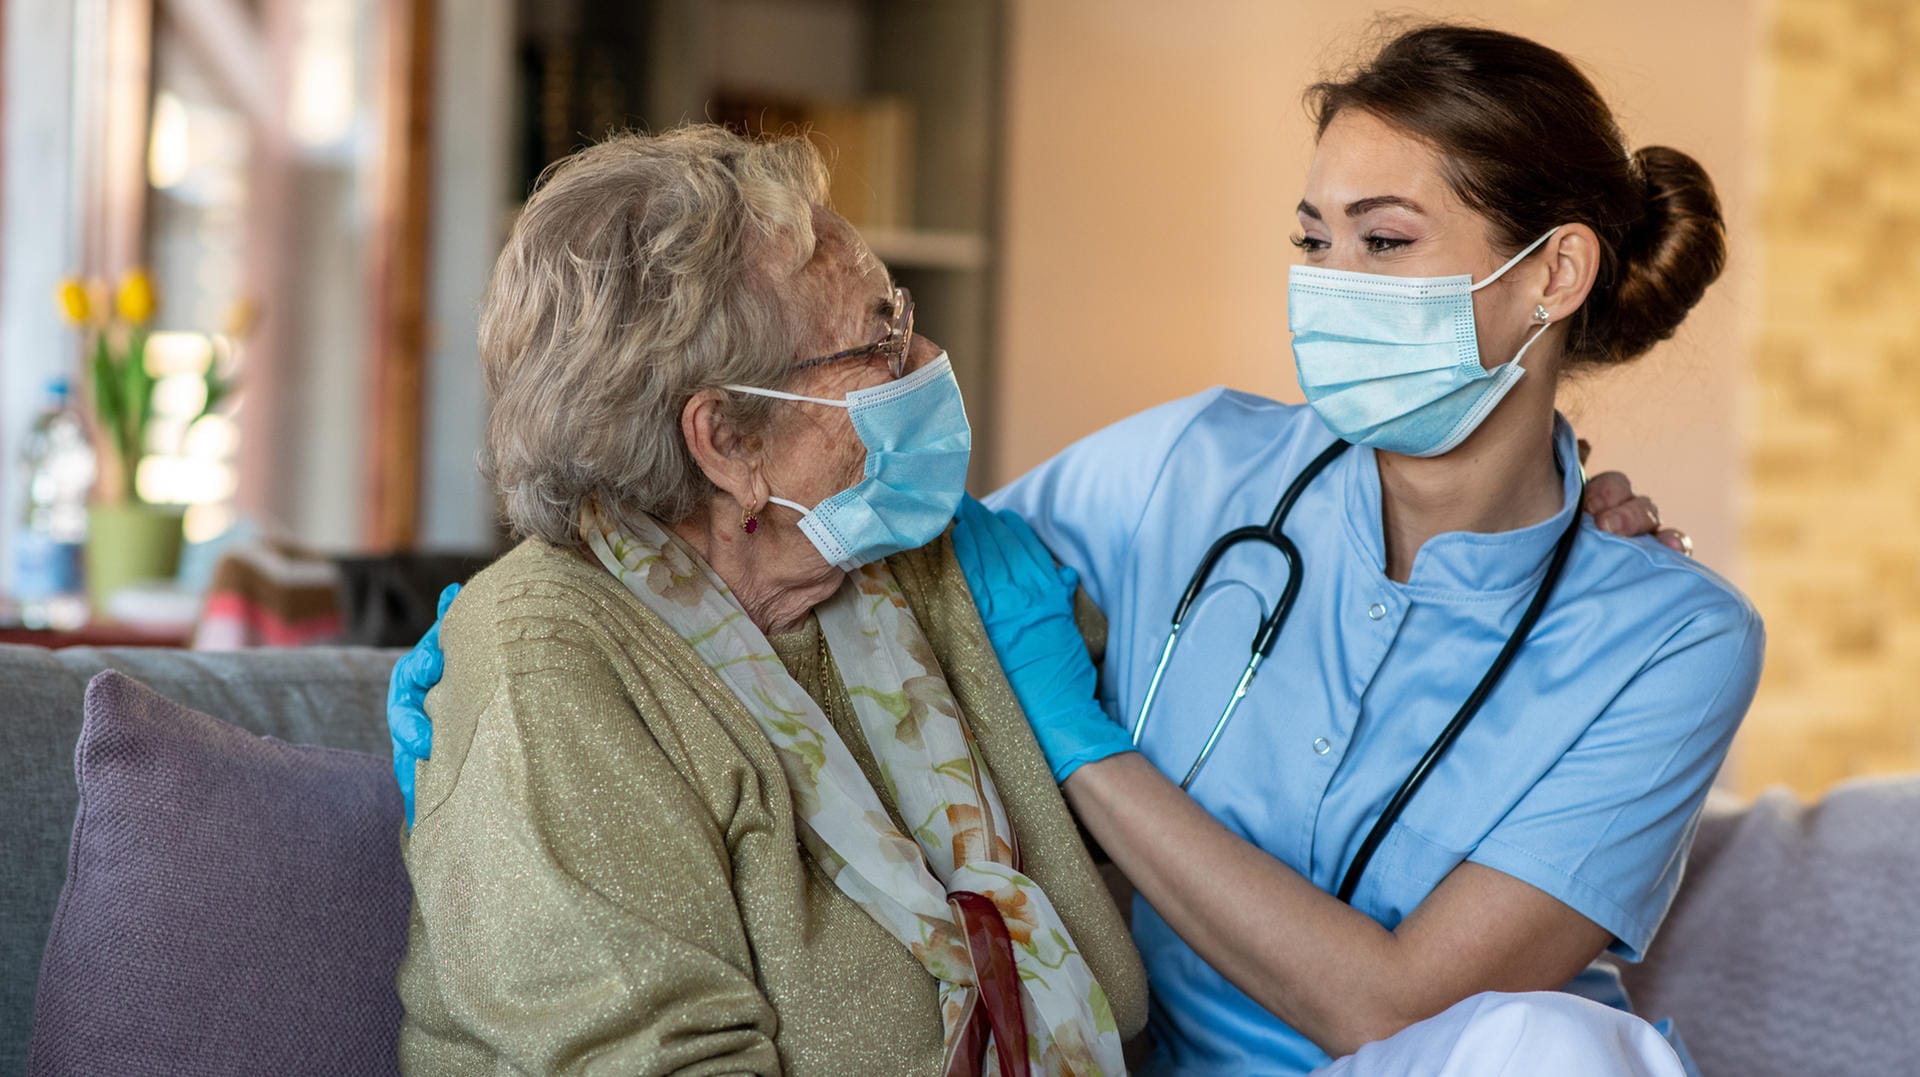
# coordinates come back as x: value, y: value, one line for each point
x: 606, y: 873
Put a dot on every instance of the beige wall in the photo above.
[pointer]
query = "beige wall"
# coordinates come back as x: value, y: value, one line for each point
x: 1155, y: 152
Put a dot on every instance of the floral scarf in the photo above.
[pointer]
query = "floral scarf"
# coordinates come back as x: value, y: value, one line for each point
x: 932, y: 889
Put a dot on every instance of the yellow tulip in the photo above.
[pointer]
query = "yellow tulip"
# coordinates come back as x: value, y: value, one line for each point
x: 241, y: 318
x: 135, y: 298
x: 74, y: 305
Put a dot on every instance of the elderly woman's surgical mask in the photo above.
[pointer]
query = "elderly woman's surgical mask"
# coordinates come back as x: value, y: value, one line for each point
x: 918, y: 444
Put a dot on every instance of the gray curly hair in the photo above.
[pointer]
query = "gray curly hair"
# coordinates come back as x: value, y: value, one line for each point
x: 641, y: 272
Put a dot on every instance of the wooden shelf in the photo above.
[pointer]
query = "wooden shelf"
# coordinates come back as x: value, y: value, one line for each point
x: 926, y: 249
x: 98, y: 634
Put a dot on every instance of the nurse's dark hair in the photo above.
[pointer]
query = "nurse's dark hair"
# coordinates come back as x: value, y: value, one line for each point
x: 1529, y: 144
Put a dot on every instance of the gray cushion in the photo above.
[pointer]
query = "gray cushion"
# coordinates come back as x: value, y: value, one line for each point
x: 234, y: 904
x: 1791, y: 948
x: 322, y: 695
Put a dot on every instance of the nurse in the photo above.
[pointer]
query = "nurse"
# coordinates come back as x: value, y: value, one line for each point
x: 1473, y: 230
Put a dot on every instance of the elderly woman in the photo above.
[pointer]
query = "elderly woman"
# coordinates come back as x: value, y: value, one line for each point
x: 725, y: 777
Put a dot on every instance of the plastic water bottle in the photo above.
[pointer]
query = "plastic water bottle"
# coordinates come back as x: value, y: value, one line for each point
x: 47, y: 579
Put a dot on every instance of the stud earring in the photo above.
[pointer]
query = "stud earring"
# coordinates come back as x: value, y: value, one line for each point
x: 749, y: 523
x: 1540, y: 313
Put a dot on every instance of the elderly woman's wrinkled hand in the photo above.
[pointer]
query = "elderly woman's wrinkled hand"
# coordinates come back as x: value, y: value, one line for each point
x: 407, y: 723
x: 1026, y: 604
x: 1616, y: 508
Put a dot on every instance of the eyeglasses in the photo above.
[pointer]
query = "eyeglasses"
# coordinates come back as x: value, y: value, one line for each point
x: 894, y: 345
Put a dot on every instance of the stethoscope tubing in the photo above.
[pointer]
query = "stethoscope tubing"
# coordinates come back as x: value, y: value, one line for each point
x: 1418, y: 775
x: 1264, y: 640
x: 1273, y: 535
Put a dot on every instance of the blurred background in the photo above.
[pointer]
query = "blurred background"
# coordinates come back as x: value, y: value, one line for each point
x: 265, y: 225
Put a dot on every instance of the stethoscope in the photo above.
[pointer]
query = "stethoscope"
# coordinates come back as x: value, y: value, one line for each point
x: 1272, y: 535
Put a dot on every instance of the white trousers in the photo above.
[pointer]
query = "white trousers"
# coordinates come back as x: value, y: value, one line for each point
x: 1525, y: 1035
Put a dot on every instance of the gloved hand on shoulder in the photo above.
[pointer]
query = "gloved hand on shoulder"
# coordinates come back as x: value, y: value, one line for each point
x: 1026, y: 603
x: 407, y: 723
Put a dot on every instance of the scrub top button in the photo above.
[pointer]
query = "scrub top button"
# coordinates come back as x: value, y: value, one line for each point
x: 1376, y: 611
x: 1322, y: 746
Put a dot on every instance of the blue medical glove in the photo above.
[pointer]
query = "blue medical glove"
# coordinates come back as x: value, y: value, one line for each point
x: 1026, y: 602
x: 407, y: 723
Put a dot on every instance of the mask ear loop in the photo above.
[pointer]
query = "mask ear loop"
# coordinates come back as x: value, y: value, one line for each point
x: 754, y: 390
x: 1546, y: 322
x: 1539, y: 312
x: 1513, y: 261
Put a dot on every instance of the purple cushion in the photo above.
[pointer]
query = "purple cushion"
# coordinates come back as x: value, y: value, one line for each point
x: 234, y: 904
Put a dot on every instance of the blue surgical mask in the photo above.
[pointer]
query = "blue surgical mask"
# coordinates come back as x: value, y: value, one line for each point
x: 918, y: 444
x: 1394, y: 362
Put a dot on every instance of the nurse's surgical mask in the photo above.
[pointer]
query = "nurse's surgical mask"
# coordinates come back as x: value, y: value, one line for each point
x: 918, y: 444
x: 1394, y: 362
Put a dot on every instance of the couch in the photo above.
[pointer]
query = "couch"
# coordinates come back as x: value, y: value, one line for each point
x: 1793, y: 948
x: 332, y: 697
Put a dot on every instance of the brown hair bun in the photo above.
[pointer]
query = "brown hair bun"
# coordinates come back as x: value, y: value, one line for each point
x: 1669, y: 257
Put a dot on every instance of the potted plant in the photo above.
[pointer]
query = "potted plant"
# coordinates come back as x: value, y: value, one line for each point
x: 128, y: 538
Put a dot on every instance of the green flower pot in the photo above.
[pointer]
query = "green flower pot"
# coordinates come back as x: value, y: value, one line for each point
x: 130, y: 543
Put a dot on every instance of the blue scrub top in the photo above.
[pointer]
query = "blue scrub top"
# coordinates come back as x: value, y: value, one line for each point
x: 1583, y: 775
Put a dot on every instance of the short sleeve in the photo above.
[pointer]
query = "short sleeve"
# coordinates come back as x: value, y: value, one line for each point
x: 1087, y: 502
x: 1608, y: 828
x: 573, y: 905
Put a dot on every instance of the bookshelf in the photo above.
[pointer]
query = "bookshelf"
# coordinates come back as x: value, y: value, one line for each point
x: 924, y: 248
x: 904, y: 94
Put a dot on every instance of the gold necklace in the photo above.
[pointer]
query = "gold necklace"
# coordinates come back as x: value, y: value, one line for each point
x: 825, y: 670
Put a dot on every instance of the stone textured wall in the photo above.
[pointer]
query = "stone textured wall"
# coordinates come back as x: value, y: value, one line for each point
x: 1832, y: 528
